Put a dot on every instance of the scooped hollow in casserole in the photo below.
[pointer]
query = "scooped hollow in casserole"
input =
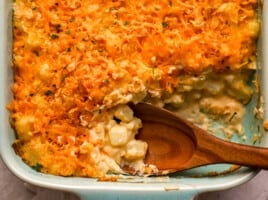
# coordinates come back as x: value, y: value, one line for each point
x: 77, y: 64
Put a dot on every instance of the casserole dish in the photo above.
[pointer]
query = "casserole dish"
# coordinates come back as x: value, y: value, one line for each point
x: 179, y: 186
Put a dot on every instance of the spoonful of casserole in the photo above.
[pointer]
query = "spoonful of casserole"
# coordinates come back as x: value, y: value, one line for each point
x: 175, y: 144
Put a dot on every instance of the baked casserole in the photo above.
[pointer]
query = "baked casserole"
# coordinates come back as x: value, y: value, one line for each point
x: 78, y: 64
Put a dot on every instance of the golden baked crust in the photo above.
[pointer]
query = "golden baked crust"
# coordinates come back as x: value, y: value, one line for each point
x: 75, y: 59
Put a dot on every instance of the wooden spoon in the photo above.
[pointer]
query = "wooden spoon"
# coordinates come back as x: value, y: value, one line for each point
x: 175, y: 144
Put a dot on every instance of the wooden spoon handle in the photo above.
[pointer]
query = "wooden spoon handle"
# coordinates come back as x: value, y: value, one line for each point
x: 215, y: 150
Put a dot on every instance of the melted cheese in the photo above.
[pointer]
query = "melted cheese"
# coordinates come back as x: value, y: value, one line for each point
x: 76, y: 60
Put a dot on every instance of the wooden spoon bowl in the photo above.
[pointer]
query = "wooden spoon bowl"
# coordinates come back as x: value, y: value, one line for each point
x: 175, y: 144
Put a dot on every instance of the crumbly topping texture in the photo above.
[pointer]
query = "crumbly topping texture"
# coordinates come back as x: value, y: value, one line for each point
x: 76, y: 61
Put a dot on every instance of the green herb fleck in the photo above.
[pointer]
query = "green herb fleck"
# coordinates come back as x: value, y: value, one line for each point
x: 58, y: 28
x: 54, y: 36
x: 164, y: 24
x: 63, y: 78
x: 233, y: 115
x: 37, y: 167
x: 126, y: 23
x: 48, y: 93
x: 106, y: 81
x: 68, y: 32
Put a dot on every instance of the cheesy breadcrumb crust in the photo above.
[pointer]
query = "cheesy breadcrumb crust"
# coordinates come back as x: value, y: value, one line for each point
x: 77, y: 63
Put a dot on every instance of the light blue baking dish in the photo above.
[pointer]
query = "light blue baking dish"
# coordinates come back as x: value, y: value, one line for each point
x: 180, y: 186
